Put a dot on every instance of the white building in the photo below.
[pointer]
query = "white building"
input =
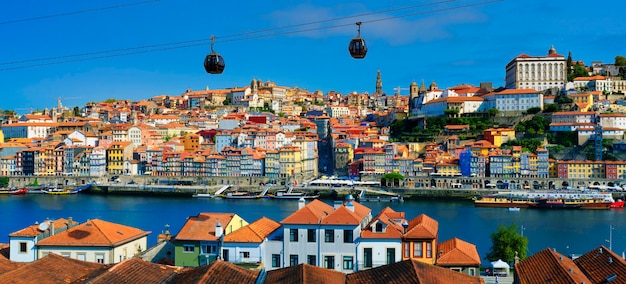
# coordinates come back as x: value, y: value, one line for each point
x: 462, y: 104
x: 23, y: 242
x: 95, y: 241
x: 381, y: 240
x: 537, y: 72
x: 324, y: 236
x: 512, y: 101
x: 259, y: 241
x: 97, y: 162
x: 337, y: 111
x: 28, y: 129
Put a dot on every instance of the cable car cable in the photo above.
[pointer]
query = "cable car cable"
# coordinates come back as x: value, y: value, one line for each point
x: 76, y: 12
x: 180, y: 44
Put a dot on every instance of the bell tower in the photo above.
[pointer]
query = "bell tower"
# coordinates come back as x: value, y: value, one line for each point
x: 379, y: 84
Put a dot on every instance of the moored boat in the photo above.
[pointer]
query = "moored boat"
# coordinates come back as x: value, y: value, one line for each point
x: 554, y: 200
x: 617, y: 204
x: 19, y: 191
x: 554, y: 203
x: 290, y: 194
x: 502, y: 202
x: 58, y: 191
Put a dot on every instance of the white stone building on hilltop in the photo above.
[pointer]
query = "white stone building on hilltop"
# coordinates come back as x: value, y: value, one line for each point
x: 537, y: 72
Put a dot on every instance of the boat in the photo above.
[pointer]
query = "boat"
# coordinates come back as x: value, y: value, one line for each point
x: 81, y: 188
x: 202, y: 195
x: 245, y: 194
x: 19, y: 191
x: 514, y: 209
x: 557, y: 203
x: 544, y: 199
x: 617, y: 204
x: 290, y: 194
x: 58, y: 191
x: 5, y: 190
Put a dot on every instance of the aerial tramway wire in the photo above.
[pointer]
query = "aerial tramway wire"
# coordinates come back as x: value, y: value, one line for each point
x: 76, y: 12
x: 249, y: 35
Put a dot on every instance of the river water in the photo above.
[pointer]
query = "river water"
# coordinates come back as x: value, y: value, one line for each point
x: 567, y: 231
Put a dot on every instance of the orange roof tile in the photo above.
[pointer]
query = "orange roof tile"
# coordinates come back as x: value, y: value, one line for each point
x: 312, y: 213
x: 202, y: 227
x: 600, y: 263
x: 52, y: 268
x: 94, y: 232
x: 410, y: 271
x: 33, y: 230
x: 133, y: 270
x: 549, y: 266
x: 254, y: 232
x: 422, y: 227
x: 305, y: 273
x: 456, y: 252
x: 218, y: 272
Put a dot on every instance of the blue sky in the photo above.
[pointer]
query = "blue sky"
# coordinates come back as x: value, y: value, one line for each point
x: 449, y: 42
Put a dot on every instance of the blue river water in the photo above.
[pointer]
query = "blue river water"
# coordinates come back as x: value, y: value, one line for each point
x: 567, y: 231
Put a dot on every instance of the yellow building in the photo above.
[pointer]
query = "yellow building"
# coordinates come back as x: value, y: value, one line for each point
x: 290, y: 161
x: 498, y: 136
x: 116, y: 154
x: 419, y: 242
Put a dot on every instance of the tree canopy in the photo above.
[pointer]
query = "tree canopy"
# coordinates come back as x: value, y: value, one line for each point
x: 506, y: 242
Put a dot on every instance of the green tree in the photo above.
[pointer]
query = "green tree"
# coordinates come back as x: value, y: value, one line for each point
x: 579, y: 71
x: 506, y: 242
x: 451, y: 112
x: 493, y: 112
x: 569, y: 64
x: 394, y: 177
x: 76, y: 111
x: 620, y: 63
x: 4, y: 181
x: 551, y: 108
x: 111, y: 100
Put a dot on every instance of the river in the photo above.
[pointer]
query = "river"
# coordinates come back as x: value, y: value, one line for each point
x: 567, y: 231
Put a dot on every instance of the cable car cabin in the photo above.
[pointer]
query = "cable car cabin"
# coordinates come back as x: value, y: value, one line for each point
x: 357, y: 48
x: 214, y: 63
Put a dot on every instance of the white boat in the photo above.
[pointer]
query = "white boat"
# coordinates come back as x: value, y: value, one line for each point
x: 514, y: 209
x: 202, y: 195
x: 290, y: 194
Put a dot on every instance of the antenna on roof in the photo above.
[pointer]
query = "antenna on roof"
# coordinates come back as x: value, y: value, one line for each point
x: 43, y: 226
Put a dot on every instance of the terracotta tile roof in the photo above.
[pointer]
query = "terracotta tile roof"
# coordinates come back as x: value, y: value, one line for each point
x: 422, y: 227
x: 601, y: 263
x: 312, y: 213
x: 51, y: 269
x: 393, y: 221
x: 6, y: 264
x: 218, y: 272
x: 410, y: 272
x: 549, y: 266
x: 94, y: 232
x: 456, y: 252
x: 305, y: 273
x: 254, y: 232
x: 133, y: 270
x: 202, y: 227
x: 33, y: 230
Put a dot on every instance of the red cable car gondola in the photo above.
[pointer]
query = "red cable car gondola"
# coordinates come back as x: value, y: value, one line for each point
x: 357, y: 46
x: 213, y: 62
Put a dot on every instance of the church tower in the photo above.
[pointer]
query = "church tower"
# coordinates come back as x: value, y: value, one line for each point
x: 413, y: 95
x: 379, y: 84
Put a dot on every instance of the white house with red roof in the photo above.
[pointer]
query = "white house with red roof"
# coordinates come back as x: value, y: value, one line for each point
x: 23, y: 242
x: 381, y: 240
x: 324, y: 235
x: 258, y: 242
x: 513, y: 100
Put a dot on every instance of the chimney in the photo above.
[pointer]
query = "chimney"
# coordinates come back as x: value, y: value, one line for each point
x: 337, y: 204
x: 349, y: 203
x: 301, y: 203
x: 51, y: 228
x: 405, y: 225
x: 218, y: 229
x: 69, y: 222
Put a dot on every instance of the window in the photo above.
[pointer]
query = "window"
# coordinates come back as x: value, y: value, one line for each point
x: 310, y: 235
x: 210, y: 249
x: 348, y: 236
x: 188, y: 248
x: 347, y: 262
x: 275, y: 260
x: 417, y: 249
x: 226, y: 254
x: 405, y: 248
x: 245, y: 254
x: 23, y: 247
x: 293, y: 235
x: 429, y: 249
x: 293, y: 260
x: 329, y: 236
x: 391, y: 255
x: 81, y: 256
x: 311, y: 259
x: 367, y: 255
x: 65, y: 254
x: 329, y: 262
x: 100, y: 258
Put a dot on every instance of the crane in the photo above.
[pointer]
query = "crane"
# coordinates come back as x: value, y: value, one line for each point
x: 59, y: 105
x: 398, y: 89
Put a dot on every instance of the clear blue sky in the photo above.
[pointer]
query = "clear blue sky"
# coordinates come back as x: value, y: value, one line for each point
x: 440, y: 42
